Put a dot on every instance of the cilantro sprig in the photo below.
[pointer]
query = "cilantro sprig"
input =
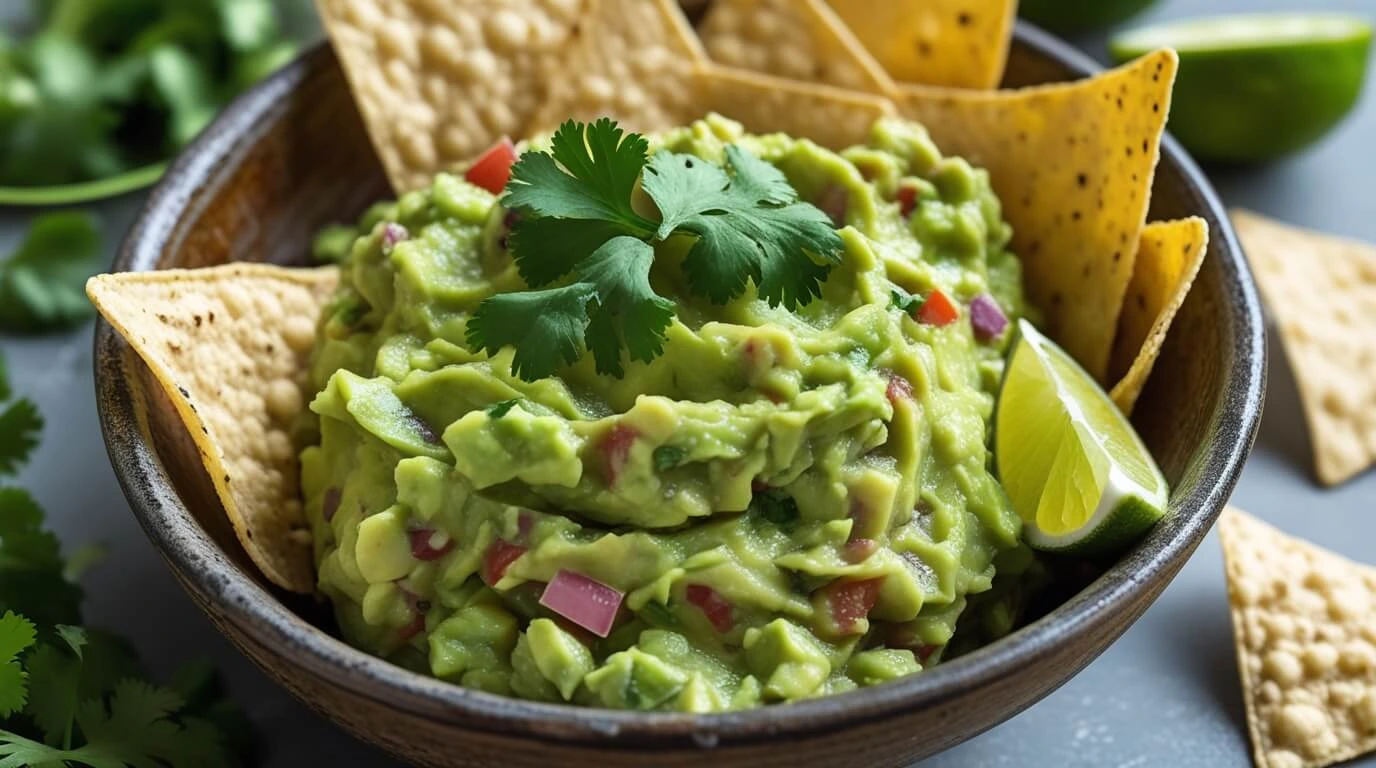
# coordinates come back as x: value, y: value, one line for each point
x: 74, y: 696
x: 586, y: 251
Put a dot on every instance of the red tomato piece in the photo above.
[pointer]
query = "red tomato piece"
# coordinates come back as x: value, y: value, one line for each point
x: 899, y: 389
x: 492, y: 169
x: 859, y: 550
x: 851, y: 602
x: 498, y: 558
x: 907, y: 200
x: 713, y: 606
x: 615, y: 447
x: 938, y: 310
x: 423, y: 545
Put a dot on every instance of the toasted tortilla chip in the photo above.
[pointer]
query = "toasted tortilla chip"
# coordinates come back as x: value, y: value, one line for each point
x: 1321, y: 290
x: 230, y: 346
x: 631, y: 62
x: 1073, y: 165
x: 831, y: 117
x: 797, y: 39
x: 954, y: 43
x: 1306, y: 645
x: 438, y: 81
x: 1168, y: 258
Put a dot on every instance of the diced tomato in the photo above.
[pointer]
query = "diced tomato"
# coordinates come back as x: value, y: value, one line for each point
x: 859, y: 550
x: 330, y: 505
x: 924, y: 652
x: 498, y: 558
x: 907, y: 200
x: 713, y: 606
x: 416, y: 627
x: 423, y: 545
x: 492, y: 169
x: 834, y: 201
x: 899, y: 389
x: 937, y: 310
x: 851, y: 602
x: 758, y: 485
x: 616, y: 447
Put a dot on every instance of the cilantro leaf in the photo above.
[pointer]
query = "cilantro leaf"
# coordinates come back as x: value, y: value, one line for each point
x: 669, y: 456
x: 31, y: 565
x: 545, y: 327
x: 600, y: 170
x: 629, y: 312
x: 19, y: 427
x: 42, y: 284
x: 52, y: 705
x: 500, y: 409
x: 16, y: 636
x: 546, y: 249
x: 138, y: 726
x: 750, y: 226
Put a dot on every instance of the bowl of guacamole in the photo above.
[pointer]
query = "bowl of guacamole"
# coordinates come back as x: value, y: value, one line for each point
x: 609, y: 508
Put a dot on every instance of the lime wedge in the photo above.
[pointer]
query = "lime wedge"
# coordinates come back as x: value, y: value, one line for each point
x: 1255, y: 87
x: 1076, y: 472
x: 1071, y: 16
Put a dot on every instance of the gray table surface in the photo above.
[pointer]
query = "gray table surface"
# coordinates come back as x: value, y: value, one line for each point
x: 1165, y: 694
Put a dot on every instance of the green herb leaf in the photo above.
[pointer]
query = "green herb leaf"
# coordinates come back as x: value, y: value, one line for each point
x: 498, y: 410
x: 139, y: 726
x: 16, y: 636
x: 52, y: 705
x: 19, y: 427
x: 602, y: 170
x: 669, y: 456
x: 42, y: 284
x: 184, y: 87
x: 777, y: 507
x: 545, y: 327
x: 629, y: 312
x: 904, y: 301
x: 548, y: 249
x: 750, y: 226
x: 31, y: 564
x: 247, y: 24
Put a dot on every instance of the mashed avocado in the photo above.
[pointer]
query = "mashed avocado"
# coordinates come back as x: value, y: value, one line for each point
x: 782, y: 505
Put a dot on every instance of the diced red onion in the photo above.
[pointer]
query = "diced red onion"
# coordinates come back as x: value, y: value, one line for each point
x: 899, y: 389
x: 393, y: 233
x: 586, y: 602
x: 987, y: 317
x: 859, y: 550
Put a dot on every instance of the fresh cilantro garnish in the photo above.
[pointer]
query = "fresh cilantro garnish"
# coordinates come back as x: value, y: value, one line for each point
x: 776, y: 507
x: 578, y: 223
x: 71, y: 696
x: 42, y: 284
x: 498, y: 410
x: 16, y: 636
x: 669, y: 456
x: 904, y: 301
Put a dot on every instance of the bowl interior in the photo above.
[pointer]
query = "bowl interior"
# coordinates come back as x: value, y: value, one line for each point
x: 291, y: 156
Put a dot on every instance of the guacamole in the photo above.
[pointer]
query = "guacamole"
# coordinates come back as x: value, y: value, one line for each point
x: 783, y: 504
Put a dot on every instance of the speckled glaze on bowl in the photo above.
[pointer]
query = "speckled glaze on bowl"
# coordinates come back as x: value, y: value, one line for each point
x: 291, y: 156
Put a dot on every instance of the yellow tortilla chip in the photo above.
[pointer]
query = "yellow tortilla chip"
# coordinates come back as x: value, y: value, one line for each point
x: 1306, y: 645
x: 1168, y: 258
x: 1073, y: 165
x: 438, y: 81
x: 631, y: 62
x: 954, y: 43
x: 831, y: 117
x: 1321, y: 290
x: 231, y: 346
x: 797, y: 39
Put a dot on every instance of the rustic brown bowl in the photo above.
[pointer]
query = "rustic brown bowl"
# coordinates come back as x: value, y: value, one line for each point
x: 291, y: 156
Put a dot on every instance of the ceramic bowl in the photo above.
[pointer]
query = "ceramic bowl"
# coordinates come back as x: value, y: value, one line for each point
x: 291, y: 155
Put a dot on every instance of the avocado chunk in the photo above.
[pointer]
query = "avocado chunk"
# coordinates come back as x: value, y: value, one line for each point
x: 478, y: 637
x: 881, y: 665
x: 787, y: 658
x: 559, y: 656
x: 633, y: 679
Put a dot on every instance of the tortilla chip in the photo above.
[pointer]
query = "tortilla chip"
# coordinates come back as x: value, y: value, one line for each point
x: 438, y: 81
x: 631, y: 62
x: 1169, y: 254
x: 831, y: 117
x: 231, y: 346
x: 1306, y: 645
x: 797, y: 39
x: 1073, y: 165
x: 1321, y: 290
x: 954, y: 43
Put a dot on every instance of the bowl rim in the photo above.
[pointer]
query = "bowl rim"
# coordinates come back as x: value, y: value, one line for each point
x: 211, y: 577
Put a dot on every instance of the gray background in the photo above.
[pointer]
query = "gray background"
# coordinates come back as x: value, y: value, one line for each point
x: 1165, y: 694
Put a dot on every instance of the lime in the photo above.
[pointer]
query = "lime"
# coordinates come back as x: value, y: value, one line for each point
x: 1076, y: 472
x: 1255, y: 87
x: 1068, y: 16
